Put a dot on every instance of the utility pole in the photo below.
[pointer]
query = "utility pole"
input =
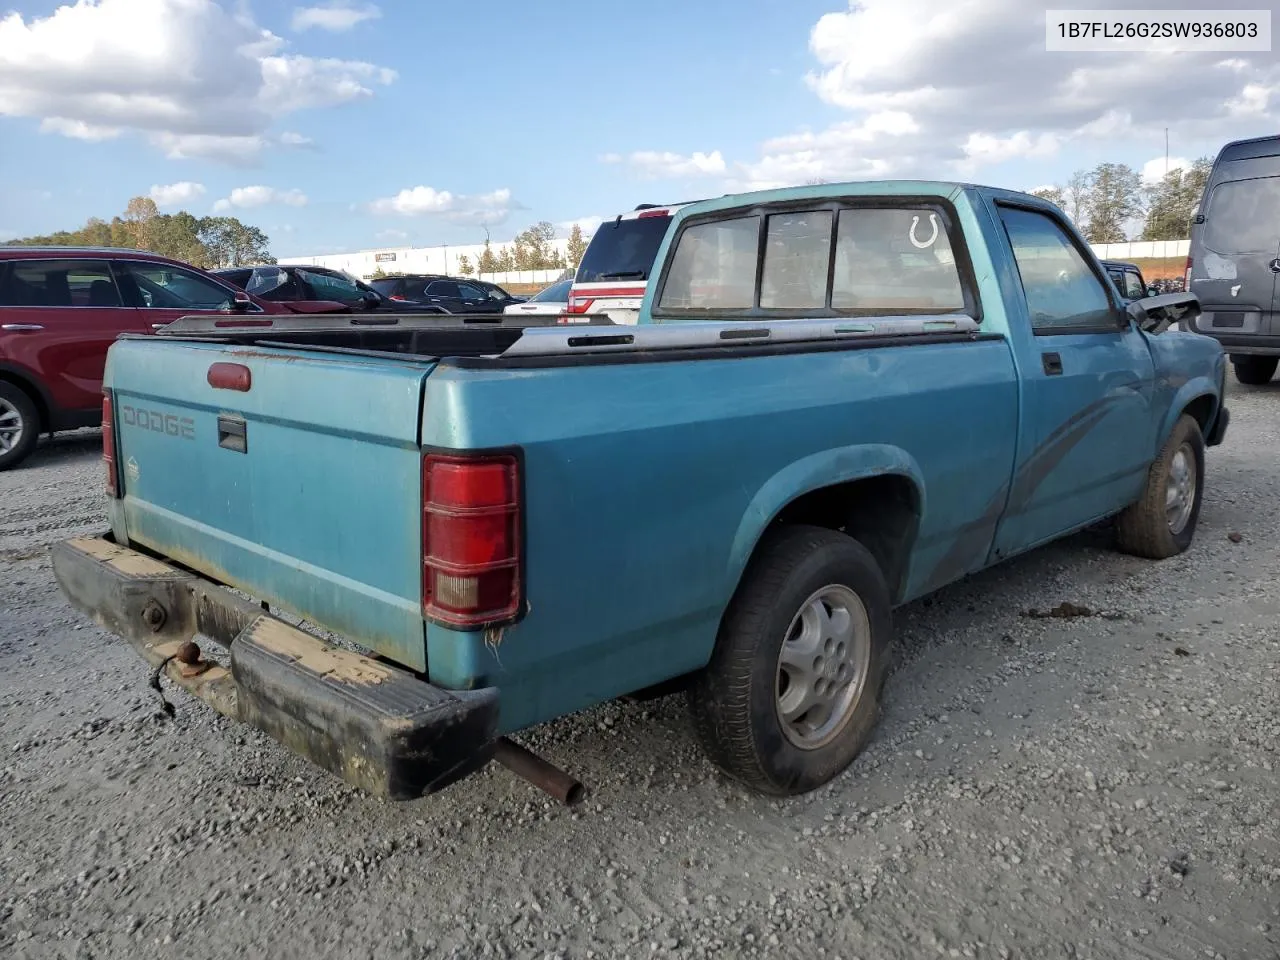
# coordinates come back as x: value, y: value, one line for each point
x: 1166, y: 151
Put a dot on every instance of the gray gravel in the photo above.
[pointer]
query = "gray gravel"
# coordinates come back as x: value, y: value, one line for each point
x: 1101, y: 786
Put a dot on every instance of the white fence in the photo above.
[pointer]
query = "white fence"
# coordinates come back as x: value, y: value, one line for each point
x: 526, y: 276
x: 1141, y: 249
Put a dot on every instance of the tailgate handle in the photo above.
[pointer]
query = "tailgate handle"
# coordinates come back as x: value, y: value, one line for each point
x: 233, y: 434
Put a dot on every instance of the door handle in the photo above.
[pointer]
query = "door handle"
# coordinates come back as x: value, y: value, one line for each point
x: 19, y: 327
x: 1052, y: 364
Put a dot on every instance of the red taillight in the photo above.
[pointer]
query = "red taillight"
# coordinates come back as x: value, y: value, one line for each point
x: 109, y: 446
x: 653, y: 213
x: 398, y: 298
x: 470, y: 539
x: 579, y: 304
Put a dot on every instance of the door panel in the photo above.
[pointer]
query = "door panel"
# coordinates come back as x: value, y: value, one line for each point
x: 1087, y: 432
x: 58, y: 317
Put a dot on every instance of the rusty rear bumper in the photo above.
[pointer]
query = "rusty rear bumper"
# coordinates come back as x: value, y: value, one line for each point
x: 376, y: 726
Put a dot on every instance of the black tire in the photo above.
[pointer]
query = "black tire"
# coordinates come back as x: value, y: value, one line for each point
x: 1144, y: 529
x: 734, y: 700
x: 15, y: 404
x: 1255, y: 371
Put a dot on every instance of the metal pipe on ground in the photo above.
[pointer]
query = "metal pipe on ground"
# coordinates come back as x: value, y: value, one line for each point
x: 543, y: 775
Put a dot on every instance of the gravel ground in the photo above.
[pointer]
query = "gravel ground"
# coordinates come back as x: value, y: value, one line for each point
x: 1099, y: 786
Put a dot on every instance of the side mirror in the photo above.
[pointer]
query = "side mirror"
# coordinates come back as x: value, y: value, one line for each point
x: 1157, y: 314
x: 240, y: 302
x: 1153, y: 290
x: 370, y: 300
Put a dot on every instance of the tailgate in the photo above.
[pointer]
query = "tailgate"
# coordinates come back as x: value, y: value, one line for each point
x: 303, y: 490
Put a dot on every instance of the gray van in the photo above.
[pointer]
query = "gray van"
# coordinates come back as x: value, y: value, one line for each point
x: 1234, y: 259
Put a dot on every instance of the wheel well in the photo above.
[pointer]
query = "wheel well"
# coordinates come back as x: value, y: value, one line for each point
x: 881, y: 512
x: 37, y: 398
x: 1202, y: 410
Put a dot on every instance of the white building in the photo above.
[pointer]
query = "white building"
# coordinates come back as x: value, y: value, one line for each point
x: 443, y: 259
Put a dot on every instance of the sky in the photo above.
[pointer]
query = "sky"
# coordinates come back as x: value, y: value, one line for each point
x: 345, y: 125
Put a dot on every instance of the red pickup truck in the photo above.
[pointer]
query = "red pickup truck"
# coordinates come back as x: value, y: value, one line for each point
x: 62, y: 307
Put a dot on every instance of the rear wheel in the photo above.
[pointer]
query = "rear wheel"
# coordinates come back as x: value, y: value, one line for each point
x: 1255, y: 371
x: 791, y: 695
x: 19, y: 425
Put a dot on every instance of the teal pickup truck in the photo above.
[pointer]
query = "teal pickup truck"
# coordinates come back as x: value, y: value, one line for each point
x: 837, y: 399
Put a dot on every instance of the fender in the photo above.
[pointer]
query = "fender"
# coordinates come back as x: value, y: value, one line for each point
x: 1191, y: 390
x: 28, y: 380
x: 822, y: 469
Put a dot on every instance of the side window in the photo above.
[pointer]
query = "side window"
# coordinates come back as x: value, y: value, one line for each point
x: 470, y: 293
x: 797, y: 255
x: 443, y: 288
x: 714, y: 266
x: 1243, y: 217
x: 172, y: 288
x: 894, y: 259
x: 326, y: 287
x: 496, y: 293
x: 1063, y: 295
x: 58, y: 283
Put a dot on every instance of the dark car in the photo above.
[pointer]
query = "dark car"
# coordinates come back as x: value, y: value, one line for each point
x: 1234, y: 256
x: 1128, y: 280
x: 62, y: 307
x: 289, y: 283
x: 455, y: 294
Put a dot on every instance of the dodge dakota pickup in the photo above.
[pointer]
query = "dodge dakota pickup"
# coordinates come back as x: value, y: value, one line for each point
x: 391, y: 545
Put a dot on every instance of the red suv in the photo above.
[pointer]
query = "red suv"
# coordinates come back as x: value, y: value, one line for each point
x: 61, y: 308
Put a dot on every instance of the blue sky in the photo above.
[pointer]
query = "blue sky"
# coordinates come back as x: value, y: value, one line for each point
x: 342, y: 125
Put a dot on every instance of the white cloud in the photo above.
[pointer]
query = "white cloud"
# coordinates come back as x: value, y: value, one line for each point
x: 480, y: 208
x: 979, y: 89
x: 391, y: 236
x: 655, y: 165
x: 77, y: 129
x: 292, y: 139
x: 193, y: 77
x: 176, y: 194
x: 982, y: 149
x: 1153, y: 171
x: 249, y: 198
x: 335, y: 16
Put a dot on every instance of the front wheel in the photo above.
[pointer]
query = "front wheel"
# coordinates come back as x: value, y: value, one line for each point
x: 1255, y: 371
x: 791, y: 695
x: 1162, y: 523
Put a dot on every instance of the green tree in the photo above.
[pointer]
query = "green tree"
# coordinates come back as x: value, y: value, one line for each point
x: 1170, y: 202
x: 577, y: 247
x: 231, y: 243
x: 1115, y: 198
x: 1077, y: 196
x: 506, y: 261
x: 1053, y: 195
x: 488, y: 263
x: 464, y: 265
x: 533, y: 249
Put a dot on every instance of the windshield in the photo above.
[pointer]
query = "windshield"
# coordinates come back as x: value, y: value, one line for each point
x: 326, y: 287
x: 385, y: 286
x: 556, y: 293
x: 266, y: 280
x: 623, y: 250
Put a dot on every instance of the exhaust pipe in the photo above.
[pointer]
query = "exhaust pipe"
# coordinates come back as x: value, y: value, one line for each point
x: 543, y: 775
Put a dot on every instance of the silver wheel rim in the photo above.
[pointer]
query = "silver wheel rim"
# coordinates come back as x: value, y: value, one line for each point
x: 1180, y: 489
x: 11, y: 426
x: 822, y: 666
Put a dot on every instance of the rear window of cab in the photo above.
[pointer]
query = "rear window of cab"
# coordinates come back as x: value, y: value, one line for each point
x: 839, y: 260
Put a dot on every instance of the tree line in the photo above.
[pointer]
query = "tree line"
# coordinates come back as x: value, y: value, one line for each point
x: 207, y: 242
x: 1104, y: 201
x: 531, y: 250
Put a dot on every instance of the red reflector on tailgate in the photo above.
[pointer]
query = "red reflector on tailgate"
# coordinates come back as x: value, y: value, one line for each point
x: 471, y: 560
x: 230, y: 376
x: 109, y: 447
